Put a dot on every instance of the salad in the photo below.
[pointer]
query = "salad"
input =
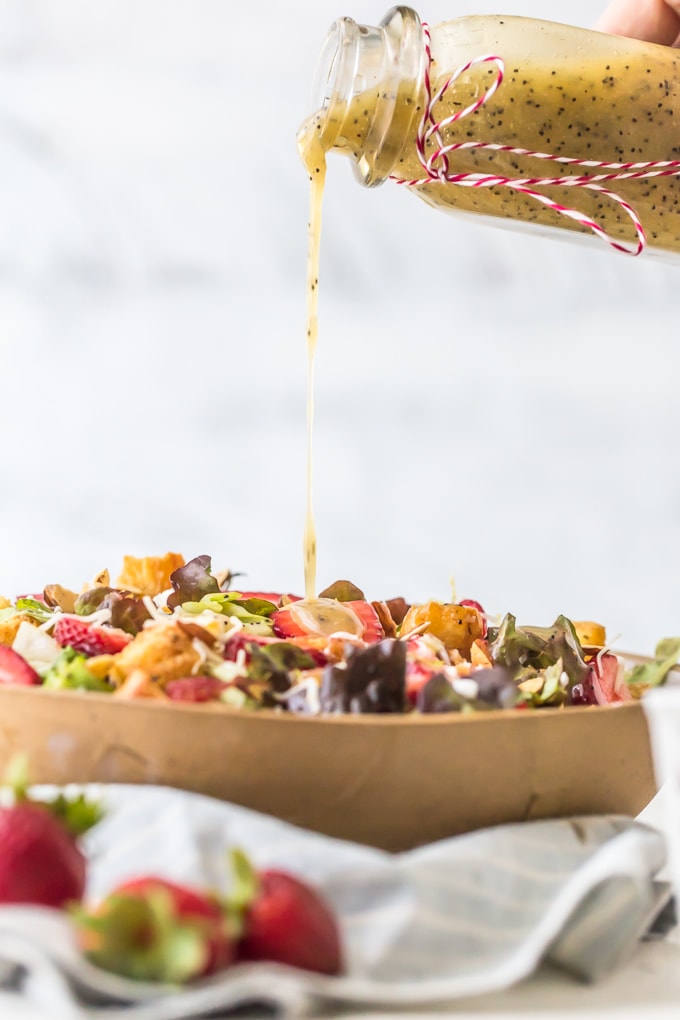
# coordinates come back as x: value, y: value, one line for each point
x: 176, y: 632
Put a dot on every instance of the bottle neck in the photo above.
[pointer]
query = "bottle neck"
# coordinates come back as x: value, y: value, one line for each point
x: 367, y: 85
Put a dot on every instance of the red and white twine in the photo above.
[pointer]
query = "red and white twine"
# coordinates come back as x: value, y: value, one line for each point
x: 437, y: 165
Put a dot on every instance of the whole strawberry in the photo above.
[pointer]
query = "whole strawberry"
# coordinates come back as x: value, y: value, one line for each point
x: 284, y: 920
x: 150, y: 929
x: 40, y: 860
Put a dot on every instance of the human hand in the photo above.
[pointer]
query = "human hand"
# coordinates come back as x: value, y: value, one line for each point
x: 652, y: 20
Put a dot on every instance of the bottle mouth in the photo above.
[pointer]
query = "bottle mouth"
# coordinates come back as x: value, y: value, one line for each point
x: 327, y: 70
x: 356, y: 59
x: 353, y: 58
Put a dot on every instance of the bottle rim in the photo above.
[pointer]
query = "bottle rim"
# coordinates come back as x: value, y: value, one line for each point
x: 335, y: 66
x: 355, y: 58
x: 327, y: 71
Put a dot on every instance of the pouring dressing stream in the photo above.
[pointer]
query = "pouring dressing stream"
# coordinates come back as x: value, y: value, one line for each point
x: 535, y: 125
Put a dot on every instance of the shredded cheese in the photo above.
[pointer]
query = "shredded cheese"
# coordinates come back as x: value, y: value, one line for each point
x: 95, y: 619
x: 154, y: 612
x: 311, y: 687
x: 467, y: 688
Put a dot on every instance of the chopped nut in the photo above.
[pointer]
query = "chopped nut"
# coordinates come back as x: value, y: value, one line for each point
x: 62, y: 598
x: 385, y: 617
x: 397, y: 608
x: 533, y: 685
x: 102, y: 580
x: 194, y: 630
x: 480, y: 655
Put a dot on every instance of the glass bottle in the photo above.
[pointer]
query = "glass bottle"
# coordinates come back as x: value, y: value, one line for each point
x: 525, y: 121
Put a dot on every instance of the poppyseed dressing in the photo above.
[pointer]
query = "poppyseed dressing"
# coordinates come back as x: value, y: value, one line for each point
x: 529, y: 124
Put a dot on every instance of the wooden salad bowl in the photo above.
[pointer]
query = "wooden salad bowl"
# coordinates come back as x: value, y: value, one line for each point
x: 393, y: 782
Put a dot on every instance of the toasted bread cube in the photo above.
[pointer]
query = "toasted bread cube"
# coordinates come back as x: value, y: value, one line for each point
x: 457, y: 627
x: 590, y: 635
x: 9, y: 628
x: 148, y: 575
x: 139, y: 685
x: 165, y: 652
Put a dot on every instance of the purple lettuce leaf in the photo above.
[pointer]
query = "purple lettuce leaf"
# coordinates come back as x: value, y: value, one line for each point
x: 192, y: 581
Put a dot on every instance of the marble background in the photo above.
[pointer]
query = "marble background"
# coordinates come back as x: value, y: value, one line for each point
x: 491, y: 406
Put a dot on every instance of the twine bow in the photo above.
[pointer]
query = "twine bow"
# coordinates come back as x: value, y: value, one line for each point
x: 437, y: 165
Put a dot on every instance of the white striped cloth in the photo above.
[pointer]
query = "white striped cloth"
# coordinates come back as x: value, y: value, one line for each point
x: 461, y: 917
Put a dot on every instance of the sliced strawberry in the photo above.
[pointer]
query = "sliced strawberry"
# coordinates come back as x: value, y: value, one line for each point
x: 373, y: 630
x: 240, y: 642
x: 155, y: 930
x: 286, y: 626
x: 89, y: 639
x: 15, y: 670
x: 417, y: 675
x: 421, y: 666
x: 327, y: 616
x: 607, y: 680
x: 195, y: 688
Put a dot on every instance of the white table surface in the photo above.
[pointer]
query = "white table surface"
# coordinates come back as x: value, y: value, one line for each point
x: 648, y: 987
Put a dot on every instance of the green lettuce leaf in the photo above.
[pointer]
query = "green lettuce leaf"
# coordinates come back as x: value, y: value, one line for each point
x: 69, y: 672
x: 527, y: 651
x: 35, y: 609
x: 274, y: 663
x: 230, y: 603
x: 552, y: 692
x: 652, y: 674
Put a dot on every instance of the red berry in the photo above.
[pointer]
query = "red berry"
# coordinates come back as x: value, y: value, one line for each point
x: 288, y: 624
x: 15, y: 670
x: 195, y: 688
x: 267, y: 596
x: 288, y: 922
x: 417, y: 675
x: 241, y: 640
x: 40, y: 862
x: 89, y: 639
x: 151, y: 929
x: 605, y: 681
